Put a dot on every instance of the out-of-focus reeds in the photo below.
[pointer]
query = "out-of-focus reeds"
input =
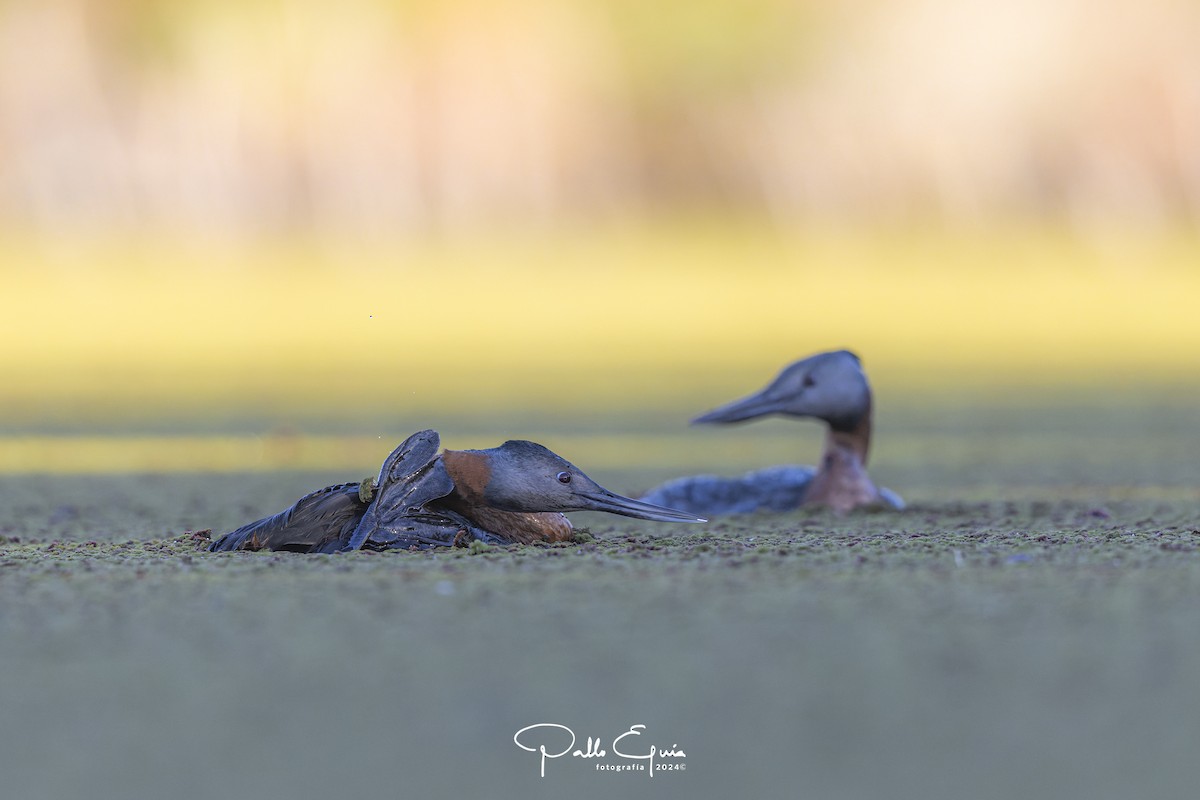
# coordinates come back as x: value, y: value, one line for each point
x: 376, y: 118
x: 292, y: 211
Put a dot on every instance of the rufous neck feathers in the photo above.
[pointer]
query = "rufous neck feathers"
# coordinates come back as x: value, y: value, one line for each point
x: 471, y: 472
x: 841, y: 482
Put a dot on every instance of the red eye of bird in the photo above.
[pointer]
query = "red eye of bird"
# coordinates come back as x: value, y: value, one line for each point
x: 563, y: 477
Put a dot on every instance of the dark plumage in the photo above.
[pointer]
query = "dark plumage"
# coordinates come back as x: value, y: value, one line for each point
x: 512, y: 493
x: 318, y: 522
x: 389, y: 512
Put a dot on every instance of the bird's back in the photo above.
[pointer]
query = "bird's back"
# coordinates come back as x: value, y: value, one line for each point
x: 780, y: 488
x: 316, y: 523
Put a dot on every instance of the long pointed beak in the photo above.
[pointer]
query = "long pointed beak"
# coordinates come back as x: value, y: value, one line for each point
x: 756, y: 405
x: 604, y: 500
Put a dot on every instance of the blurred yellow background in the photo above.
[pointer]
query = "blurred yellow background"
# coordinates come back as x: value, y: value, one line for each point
x: 292, y: 212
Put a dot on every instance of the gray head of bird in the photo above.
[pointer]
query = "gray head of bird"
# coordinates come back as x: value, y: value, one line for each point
x: 525, y: 476
x: 827, y: 386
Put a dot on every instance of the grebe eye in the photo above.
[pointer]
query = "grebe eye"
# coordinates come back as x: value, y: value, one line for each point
x: 563, y: 477
x: 809, y: 381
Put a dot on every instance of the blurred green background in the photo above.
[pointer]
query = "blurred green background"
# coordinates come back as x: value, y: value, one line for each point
x: 353, y: 219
